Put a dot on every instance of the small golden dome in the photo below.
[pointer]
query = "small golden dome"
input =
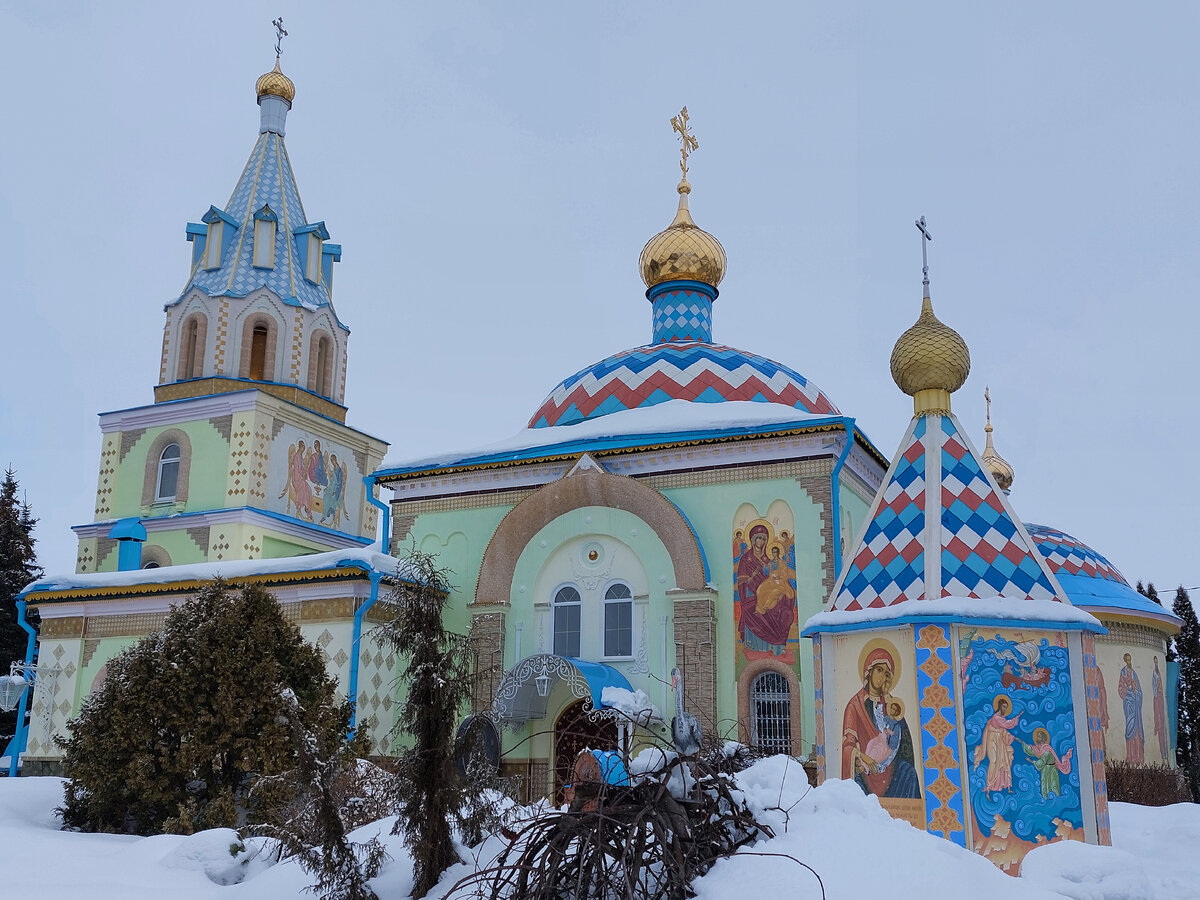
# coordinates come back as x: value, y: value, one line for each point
x: 930, y: 357
x: 996, y: 464
x: 682, y: 251
x: 275, y: 84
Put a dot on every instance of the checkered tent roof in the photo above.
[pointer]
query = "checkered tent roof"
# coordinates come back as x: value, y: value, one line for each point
x: 266, y: 180
x: 940, y: 527
x: 695, y: 371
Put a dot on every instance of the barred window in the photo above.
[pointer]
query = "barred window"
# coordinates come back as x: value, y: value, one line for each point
x: 771, y: 713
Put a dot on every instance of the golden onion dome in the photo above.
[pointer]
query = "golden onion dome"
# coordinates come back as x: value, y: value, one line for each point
x: 275, y: 84
x: 930, y: 361
x: 682, y: 251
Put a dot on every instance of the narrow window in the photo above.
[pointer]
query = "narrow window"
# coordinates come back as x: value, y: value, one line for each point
x: 566, y: 622
x: 258, y: 352
x: 313, y: 269
x: 168, y: 473
x: 618, y: 621
x: 771, y: 713
x: 323, y: 367
x: 191, y: 338
x: 264, y: 243
x: 213, y: 246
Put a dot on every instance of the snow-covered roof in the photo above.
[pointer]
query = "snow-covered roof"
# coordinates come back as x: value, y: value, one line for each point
x: 963, y: 610
x: 667, y: 421
x: 368, y: 557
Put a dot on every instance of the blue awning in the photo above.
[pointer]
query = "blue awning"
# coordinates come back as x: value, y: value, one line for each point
x: 519, y: 699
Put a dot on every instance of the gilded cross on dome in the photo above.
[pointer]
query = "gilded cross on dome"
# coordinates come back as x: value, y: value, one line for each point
x: 688, y: 140
x: 280, y: 34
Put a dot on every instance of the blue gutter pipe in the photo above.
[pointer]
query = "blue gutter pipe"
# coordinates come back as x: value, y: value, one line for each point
x: 356, y: 642
x: 385, y: 523
x: 17, y: 746
x: 848, y: 424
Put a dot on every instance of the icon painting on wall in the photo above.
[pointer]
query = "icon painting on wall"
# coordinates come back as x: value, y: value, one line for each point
x: 316, y: 485
x: 764, y: 574
x: 1021, y: 743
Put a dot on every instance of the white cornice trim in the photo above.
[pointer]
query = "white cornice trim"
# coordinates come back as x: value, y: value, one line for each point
x: 289, y: 527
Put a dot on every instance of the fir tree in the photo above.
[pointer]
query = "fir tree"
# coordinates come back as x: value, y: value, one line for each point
x: 18, y: 567
x: 436, y: 669
x: 1187, y: 651
x: 190, y: 717
x: 1152, y: 594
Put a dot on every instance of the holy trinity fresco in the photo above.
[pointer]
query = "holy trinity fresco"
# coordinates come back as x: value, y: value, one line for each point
x: 878, y: 703
x: 764, y: 575
x: 315, y: 480
x: 1019, y: 730
x: 1137, y: 707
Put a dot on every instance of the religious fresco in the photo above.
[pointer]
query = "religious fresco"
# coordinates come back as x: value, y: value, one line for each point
x: 879, y: 721
x: 764, y: 577
x: 1019, y: 733
x: 314, y: 479
x: 1133, y: 703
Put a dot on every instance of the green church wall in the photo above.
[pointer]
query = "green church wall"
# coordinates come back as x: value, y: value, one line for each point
x: 208, y: 461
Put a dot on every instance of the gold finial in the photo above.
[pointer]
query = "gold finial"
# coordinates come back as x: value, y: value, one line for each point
x: 275, y: 83
x: 688, y: 145
x: 930, y: 362
x: 997, y: 465
x: 683, y: 251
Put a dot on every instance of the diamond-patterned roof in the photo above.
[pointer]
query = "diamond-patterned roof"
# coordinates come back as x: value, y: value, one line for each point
x: 678, y: 370
x: 266, y: 180
x: 939, y: 527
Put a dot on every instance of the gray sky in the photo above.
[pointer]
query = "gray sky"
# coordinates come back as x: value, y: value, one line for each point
x: 493, y: 169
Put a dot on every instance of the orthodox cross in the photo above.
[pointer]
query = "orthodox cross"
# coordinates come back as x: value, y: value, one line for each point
x: 988, y: 399
x: 688, y: 140
x: 280, y: 34
x: 926, y: 237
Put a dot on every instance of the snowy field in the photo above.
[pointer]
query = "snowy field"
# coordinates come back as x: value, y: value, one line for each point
x: 856, y: 848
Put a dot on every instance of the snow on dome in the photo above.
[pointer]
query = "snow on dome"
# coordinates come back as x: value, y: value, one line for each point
x: 1088, y: 578
x: 694, y: 371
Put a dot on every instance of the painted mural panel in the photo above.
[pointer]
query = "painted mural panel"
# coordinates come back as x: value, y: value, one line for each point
x: 1019, y: 734
x: 877, y: 705
x: 1133, y: 703
x: 314, y: 479
x: 764, y: 577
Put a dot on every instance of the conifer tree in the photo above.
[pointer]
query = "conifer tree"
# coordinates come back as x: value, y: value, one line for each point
x: 436, y: 667
x: 190, y: 717
x: 1187, y: 651
x: 18, y: 567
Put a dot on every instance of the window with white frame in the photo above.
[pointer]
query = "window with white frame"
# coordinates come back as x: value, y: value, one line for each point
x: 771, y: 713
x: 618, y: 620
x: 313, y: 270
x: 567, y: 607
x: 213, y: 246
x: 167, y: 482
x: 264, y: 243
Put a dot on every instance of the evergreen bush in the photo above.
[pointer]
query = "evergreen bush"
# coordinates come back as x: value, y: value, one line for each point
x: 190, y: 717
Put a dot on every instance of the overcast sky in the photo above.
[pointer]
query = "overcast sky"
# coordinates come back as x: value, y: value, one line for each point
x: 493, y: 169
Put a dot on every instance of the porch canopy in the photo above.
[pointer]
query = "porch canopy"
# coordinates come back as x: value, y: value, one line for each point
x: 524, y: 690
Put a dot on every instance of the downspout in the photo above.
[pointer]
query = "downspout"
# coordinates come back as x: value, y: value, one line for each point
x: 17, y: 747
x: 848, y: 424
x: 356, y: 641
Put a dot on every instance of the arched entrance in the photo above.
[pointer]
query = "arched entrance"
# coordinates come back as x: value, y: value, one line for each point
x: 575, y: 730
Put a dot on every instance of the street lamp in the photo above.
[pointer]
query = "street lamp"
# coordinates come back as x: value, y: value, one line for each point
x: 11, y: 689
x: 543, y: 682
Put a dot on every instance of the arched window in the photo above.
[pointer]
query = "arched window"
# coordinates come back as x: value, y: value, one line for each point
x: 168, y: 473
x: 151, y: 565
x: 618, y: 620
x: 258, y: 352
x: 566, y: 621
x: 771, y: 713
x: 323, y: 366
x: 190, y: 338
x: 191, y: 347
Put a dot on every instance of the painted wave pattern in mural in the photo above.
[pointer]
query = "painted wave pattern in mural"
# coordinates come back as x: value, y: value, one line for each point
x: 1019, y: 728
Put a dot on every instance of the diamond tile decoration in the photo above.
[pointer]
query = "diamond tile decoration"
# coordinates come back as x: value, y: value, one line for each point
x: 889, y: 565
x: 324, y: 638
x: 267, y: 179
x: 985, y: 552
x: 341, y: 658
x: 695, y: 371
x: 1072, y: 556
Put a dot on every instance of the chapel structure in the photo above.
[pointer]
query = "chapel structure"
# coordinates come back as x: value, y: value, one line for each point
x: 243, y: 467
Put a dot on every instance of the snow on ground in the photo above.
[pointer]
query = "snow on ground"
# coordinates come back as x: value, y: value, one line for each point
x: 855, y: 848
